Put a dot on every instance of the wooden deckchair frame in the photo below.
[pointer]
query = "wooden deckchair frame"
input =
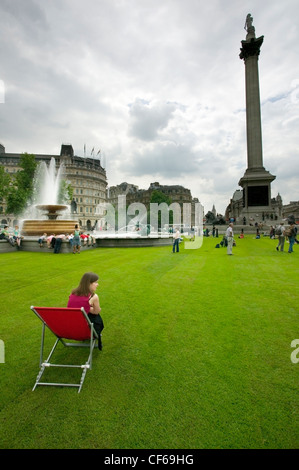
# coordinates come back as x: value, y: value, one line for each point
x: 65, y: 323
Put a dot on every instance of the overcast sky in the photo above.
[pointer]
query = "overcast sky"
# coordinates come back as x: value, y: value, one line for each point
x: 156, y: 85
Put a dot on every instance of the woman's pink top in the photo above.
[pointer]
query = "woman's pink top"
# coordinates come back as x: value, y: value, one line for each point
x: 78, y: 301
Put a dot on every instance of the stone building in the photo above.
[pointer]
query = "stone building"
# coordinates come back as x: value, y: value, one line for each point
x: 176, y: 193
x: 291, y: 210
x: 131, y: 191
x: 85, y: 175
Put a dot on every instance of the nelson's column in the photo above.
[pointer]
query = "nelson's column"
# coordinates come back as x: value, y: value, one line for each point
x: 256, y: 182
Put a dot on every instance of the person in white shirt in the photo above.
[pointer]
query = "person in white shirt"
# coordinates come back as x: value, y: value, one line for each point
x: 230, y: 238
x: 281, y: 238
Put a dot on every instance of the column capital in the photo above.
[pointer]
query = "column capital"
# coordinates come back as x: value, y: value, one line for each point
x: 251, y: 48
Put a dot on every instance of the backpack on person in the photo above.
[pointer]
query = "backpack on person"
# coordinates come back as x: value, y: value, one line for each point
x: 288, y: 232
x: 278, y: 230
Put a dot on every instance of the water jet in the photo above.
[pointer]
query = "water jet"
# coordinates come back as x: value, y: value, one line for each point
x: 46, y: 193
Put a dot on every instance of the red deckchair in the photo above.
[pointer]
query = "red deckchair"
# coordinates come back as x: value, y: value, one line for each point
x: 65, y: 323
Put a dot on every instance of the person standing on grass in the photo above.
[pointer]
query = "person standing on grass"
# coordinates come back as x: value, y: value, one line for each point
x: 280, y: 229
x: 176, y: 241
x: 230, y: 238
x: 292, y: 236
x: 85, y: 296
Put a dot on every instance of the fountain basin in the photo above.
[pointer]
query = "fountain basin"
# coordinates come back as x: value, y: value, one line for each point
x: 49, y: 226
x: 36, y: 227
x: 51, y: 209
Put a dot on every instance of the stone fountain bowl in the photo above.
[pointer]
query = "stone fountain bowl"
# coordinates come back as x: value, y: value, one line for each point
x: 51, y: 208
x: 50, y: 225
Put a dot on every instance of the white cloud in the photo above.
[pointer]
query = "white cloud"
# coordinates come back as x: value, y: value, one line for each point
x: 147, y: 119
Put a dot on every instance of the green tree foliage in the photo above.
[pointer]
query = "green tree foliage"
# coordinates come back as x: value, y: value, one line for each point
x: 16, y: 201
x: 159, y: 197
x: 25, y: 176
x: 21, y: 189
x: 4, y: 183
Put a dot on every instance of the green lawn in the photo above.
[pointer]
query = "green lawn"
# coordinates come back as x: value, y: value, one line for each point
x: 196, y: 350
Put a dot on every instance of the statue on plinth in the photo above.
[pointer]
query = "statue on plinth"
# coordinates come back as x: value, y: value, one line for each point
x: 249, y: 27
x: 252, y: 45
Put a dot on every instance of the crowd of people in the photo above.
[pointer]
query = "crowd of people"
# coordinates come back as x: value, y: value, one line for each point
x: 76, y: 239
x: 282, y: 233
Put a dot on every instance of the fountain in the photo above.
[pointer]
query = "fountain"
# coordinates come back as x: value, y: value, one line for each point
x: 46, y: 194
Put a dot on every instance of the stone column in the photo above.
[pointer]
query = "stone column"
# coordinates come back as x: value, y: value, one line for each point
x: 256, y: 182
x: 250, y: 52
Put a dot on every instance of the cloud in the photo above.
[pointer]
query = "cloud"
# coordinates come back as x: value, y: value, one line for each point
x: 148, y: 119
x: 164, y: 160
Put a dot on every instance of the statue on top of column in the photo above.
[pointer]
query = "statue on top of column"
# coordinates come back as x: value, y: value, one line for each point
x: 248, y: 24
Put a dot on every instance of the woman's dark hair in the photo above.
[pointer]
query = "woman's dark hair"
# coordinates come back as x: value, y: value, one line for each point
x: 83, y: 288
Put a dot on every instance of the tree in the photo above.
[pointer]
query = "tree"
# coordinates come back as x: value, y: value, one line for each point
x: 16, y: 201
x: 159, y: 197
x: 21, y: 189
x: 25, y: 176
x: 4, y: 184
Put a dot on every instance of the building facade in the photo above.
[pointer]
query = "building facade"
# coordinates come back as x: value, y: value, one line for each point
x: 176, y: 193
x: 86, y: 176
x: 291, y: 210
